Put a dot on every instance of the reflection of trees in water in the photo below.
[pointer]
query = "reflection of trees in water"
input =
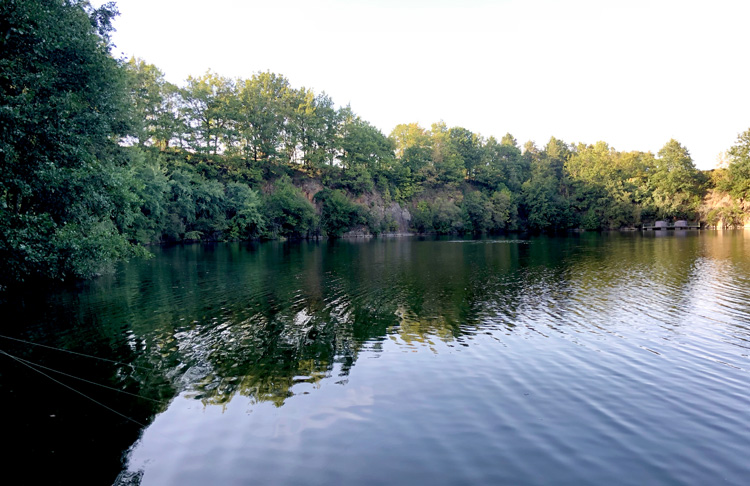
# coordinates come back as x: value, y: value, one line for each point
x: 271, y: 320
x: 257, y: 320
x: 638, y: 271
x: 263, y: 320
x: 299, y: 313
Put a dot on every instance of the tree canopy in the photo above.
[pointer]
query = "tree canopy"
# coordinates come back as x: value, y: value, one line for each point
x: 99, y: 156
x: 63, y: 104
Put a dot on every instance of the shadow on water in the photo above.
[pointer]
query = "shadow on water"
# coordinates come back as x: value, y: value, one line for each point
x: 209, y: 322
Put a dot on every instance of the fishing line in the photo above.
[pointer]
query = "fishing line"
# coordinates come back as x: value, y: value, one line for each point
x: 77, y: 353
x: 73, y: 389
x: 82, y: 379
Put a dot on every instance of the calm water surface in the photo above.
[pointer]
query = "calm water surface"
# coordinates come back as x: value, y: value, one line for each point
x: 592, y: 359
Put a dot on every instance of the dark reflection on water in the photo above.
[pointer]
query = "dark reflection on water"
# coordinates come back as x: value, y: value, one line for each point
x: 579, y: 360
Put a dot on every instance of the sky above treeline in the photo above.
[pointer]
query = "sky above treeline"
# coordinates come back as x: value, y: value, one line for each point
x: 632, y: 73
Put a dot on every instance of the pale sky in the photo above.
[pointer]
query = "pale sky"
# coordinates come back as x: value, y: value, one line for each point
x: 632, y: 73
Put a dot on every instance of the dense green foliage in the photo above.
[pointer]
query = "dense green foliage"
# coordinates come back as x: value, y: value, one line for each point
x: 737, y: 179
x: 98, y: 157
x: 64, y: 203
x: 338, y: 214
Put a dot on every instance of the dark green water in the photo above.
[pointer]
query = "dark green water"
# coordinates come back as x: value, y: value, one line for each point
x: 592, y: 359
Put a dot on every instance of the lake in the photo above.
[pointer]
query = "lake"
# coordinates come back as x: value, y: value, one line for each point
x: 586, y: 359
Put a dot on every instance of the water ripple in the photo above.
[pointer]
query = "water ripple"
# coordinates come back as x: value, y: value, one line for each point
x: 582, y: 360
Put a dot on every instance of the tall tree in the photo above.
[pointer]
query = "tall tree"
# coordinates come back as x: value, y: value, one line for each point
x: 677, y: 186
x: 501, y: 165
x: 210, y: 106
x: 544, y: 196
x: 315, y: 122
x: 261, y: 116
x: 363, y: 145
x: 63, y: 106
x: 554, y: 156
x: 409, y: 135
x: 449, y: 162
x: 739, y: 167
x: 413, y: 149
x: 468, y: 146
x: 153, y: 103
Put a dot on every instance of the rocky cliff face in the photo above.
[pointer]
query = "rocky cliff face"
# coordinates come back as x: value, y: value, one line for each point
x: 722, y: 211
x: 391, y: 217
x: 309, y: 187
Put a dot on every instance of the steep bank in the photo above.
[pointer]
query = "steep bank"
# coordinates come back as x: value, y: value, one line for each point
x: 380, y: 215
x: 720, y: 210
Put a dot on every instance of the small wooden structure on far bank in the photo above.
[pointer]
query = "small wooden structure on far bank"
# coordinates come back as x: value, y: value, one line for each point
x: 677, y: 225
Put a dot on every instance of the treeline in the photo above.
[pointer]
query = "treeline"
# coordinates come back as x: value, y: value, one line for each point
x: 733, y: 182
x: 100, y: 157
x: 259, y: 130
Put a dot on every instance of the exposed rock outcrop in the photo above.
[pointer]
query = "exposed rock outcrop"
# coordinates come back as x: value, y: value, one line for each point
x: 722, y: 211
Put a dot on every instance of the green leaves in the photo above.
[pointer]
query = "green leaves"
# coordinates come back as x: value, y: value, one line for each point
x: 74, y: 201
x: 738, y: 182
x: 338, y: 215
x: 288, y: 213
x: 63, y: 106
x: 153, y: 104
x: 677, y: 186
x: 245, y: 220
x: 209, y: 105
